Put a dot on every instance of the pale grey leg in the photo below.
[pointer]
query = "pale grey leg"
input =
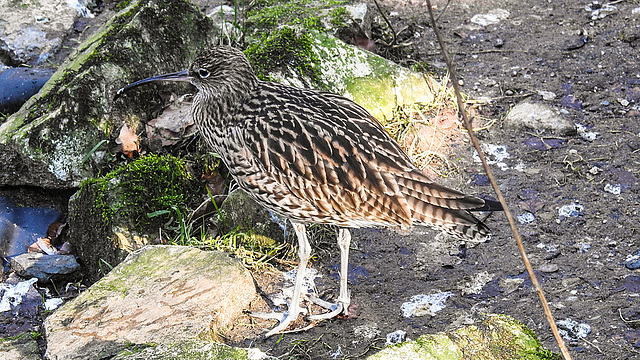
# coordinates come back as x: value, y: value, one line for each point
x: 344, y: 299
x: 304, y: 252
x: 344, y: 241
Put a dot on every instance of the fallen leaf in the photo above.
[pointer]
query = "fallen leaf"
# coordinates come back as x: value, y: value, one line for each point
x: 129, y: 140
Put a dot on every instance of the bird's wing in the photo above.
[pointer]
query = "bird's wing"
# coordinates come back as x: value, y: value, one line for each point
x: 333, y: 153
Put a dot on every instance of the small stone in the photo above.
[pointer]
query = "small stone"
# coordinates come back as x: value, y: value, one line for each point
x: 526, y: 218
x: 572, y: 330
x: 539, y: 117
x: 548, y: 268
x: 492, y: 17
x: 547, y: 95
x: 44, y: 267
x: 571, y: 210
x: 52, y: 304
x: 632, y: 262
x: 367, y: 331
x: 587, y: 135
x: 614, y: 189
x: 395, y: 337
x: 623, y: 102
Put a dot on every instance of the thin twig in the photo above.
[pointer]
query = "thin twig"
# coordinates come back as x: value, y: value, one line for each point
x: 443, y: 11
x: 625, y: 320
x: 393, y: 31
x: 474, y: 140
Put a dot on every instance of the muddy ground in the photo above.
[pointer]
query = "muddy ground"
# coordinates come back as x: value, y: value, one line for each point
x: 593, y: 68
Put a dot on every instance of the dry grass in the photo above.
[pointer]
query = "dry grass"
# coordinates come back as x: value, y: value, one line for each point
x: 427, y: 131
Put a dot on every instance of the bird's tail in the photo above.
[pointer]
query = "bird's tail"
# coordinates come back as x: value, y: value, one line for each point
x: 446, y: 209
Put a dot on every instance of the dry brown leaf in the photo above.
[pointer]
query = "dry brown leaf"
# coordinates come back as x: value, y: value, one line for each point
x: 129, y: 140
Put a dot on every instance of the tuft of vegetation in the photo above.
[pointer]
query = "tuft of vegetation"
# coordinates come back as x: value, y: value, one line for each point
x: 143, y: 191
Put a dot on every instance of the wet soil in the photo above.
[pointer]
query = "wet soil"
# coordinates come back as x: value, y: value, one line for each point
x: 593, y: 68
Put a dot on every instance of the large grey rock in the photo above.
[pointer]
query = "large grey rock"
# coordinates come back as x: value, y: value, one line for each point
x: 193, y: 349
x: 64, y: 133
x: 160, y: 294
x: 50, y: 141
x: 44, y: 267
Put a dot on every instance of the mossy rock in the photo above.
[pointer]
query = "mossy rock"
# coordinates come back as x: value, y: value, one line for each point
x: 268, y: 15
x: 497, y: 337
x: 193, y: 349
x: 50, y: 141
x: 240, y: 213
x: 120, y: 212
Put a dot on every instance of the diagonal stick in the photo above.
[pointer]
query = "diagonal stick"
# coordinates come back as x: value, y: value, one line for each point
x: 474, y: 140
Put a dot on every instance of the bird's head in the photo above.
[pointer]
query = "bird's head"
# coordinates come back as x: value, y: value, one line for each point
x: 218, y: 72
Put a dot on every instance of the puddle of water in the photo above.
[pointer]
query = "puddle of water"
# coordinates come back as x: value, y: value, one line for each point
x: 22, y: 226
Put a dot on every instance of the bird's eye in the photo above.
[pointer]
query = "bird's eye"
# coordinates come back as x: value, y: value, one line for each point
x: 203, y: 73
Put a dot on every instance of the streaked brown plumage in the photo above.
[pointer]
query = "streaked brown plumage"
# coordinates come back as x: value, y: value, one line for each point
x: 315, y: 157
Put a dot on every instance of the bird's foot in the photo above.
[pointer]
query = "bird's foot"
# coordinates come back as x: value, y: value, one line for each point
x: 284, y: 319
x: 341, y: 306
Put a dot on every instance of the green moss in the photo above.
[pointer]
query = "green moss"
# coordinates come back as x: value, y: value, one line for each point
x: 148, y: 185
x: 285, y: 49
x: 266, y: 15
x: 339, y: 16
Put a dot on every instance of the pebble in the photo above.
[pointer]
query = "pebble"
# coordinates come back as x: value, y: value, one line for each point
x: 587, y: 135
x: 43, y: 267
x: 537, y: 116
x: 572, y: 330
x: 571, y: 210
x: 548, y: 268
x: 492, y: 17
x: 632, y: 262
x: 395, y: 337
x: 547, y: 95
x: 526, y: 218
x: 614, y: 189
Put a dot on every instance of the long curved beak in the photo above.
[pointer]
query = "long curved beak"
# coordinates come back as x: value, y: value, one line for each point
x: 177, y: 76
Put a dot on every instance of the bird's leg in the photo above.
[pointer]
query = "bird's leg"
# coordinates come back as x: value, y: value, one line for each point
x: 344, y: 241
x: 344, y: 299
x: 304, y: 251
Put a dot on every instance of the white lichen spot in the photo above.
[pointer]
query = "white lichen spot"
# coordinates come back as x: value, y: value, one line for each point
x: 495, y: 155
x: 420, y: 305
x: 614, y: 189
x: 571, y: 210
